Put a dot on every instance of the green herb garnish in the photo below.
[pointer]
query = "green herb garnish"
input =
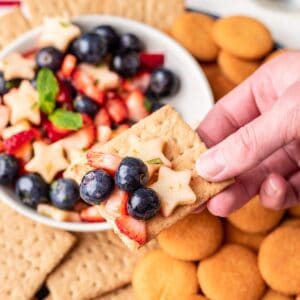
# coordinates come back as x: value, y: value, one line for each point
x: 148, y: 104
x: 66, y: 119
x: 154, y: 161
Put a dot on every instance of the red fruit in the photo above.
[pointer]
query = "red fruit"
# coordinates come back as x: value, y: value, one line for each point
x: 116, y: 110
x: 30, y: 53
x: 81, y: 80
x: 140, y: 82
x: 68, y: 65
x: 105, y: 161
x: 79, y: 206
x: 24, y: 153
x: 135, y: 103
x: 116, y: 203
x: 65, y: 92
x: 91, y: 214
x: 94, y: 93
x: 1, y: 146
x: 55, y: 133
x: 17, y: 140
x: 152, y: 61
x: 102, y: 118
x: 87, y: 120
x: 133, y: 228
x: 104, y: 133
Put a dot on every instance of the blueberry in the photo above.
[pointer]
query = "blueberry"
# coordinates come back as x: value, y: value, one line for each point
x: 130, y: 42
x: 95, y: 186
x: 32, y: 189
x: 49, y: 57
x: 108, y: 34
x: 163, y: 83
x: 9, y: 169
x: 132, y: 174
x: 126, y: 64
x: 84, y: 104
x: 156, y: 106
x: 143, y: 204
x: 64, y: 193
x: 90, y: 48
x: 3, y: 88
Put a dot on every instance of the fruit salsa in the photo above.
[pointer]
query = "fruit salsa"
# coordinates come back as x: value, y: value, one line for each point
x: 73, y: 92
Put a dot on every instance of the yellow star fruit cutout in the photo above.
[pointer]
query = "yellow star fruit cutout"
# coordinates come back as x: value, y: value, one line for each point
x: 173, y: 189
x: 23, y: 103
x: 48, y: 160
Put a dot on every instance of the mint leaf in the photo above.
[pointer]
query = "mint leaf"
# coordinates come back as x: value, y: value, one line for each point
x: 47, y: 87
x: 148, y: 104
x: 154, y: 161
x: 66, y: 119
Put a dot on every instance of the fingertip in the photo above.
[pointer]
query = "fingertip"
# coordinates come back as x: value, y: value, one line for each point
x: 221, y: 205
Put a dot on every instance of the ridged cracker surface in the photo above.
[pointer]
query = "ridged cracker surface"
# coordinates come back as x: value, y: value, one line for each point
x: 28, y: 253
x: 183, y: 147
x: 99, y: 264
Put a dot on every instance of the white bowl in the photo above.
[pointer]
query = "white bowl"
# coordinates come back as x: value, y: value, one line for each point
x: 193, y: 100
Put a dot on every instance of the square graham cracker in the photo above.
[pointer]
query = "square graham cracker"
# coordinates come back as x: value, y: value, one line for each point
x: 98, y: 265
x: 28, y: 253
x: 13, y: 24
x: 81, y: 7
x: 125, y: 293
x: 182, y: 147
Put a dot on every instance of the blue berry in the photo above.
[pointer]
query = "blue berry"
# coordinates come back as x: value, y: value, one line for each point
x: 156, y: 106
x: 90, y: 48
x: 64, y: 193
x: 108, y: 34
x: 143, y: 204
x: 3, y: 88
x: 84, y: 104
x: 130, y: 42
x: 95, y: 186
x: 49, y: 57
x: 9, y: 169
x: 32, y: 189
x: 132, y: 174
x: 126, y: 64
x: 163, y: 83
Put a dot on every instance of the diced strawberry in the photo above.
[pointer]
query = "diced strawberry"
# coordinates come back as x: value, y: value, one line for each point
x: 138, y: 82
x: 102, y: 117
x: 116, y: 110
x: 116, y: 203
x: 80, y: 205
x: 24, y: 153
x: 65, y: 92
x: 105, y: 161
x: 30, y: 53
x: 104, y: 133
x: 120, y: 130
x: 94, y: 93
x: 152, y: 61
x: 135, y: 103
x: 80, y: 79
x: 4, y: 116
x: 68, y: 65
x: 132, y: 228
x: 87, y: 120
x: 91, y: 214
x: 1, y: 146
x: 16, y: 141
x: 54, y: 133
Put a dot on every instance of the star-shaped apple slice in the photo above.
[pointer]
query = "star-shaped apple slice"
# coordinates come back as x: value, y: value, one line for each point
x: 151, y: 152
x: 16, y: 66
x: 173, y: 189
x: 48, y: 160
x: 23, y: 103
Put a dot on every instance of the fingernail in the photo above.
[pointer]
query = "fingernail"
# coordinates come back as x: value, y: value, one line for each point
x: 271, y: 188
x: 210, y: 164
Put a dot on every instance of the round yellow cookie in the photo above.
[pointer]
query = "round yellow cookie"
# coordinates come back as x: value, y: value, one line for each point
x: 194, y: 32
x: 236, y: 69
x: 273, y: 295
x: 279, y: 259
x: 242, y: 36
x: 193, y: 238
x: 195, y: 297
x: 160, y: 276
x: 231, y: 273
x: 295, y: 211
x: 255, y: 218
x: 274, y: 54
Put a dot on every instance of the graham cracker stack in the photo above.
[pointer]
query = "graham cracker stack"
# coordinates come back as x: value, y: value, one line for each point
x: 28, y: 253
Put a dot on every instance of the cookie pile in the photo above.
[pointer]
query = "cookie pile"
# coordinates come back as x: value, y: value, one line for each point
x: 229, y: 49
x: 253, y: 254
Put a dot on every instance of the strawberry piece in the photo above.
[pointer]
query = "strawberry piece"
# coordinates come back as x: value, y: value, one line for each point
x: 87, y: 120
x: 116, y: 203
x: 132, y: 228
x: 1, y: 146
x: 120, y: 130
x: 104, y: 133
x: 24, y: 153
x: 152, y: 61
x: 65, y: 93
x: 68, y: 65
x: 140, y: 82
x: 55, y: 133
x: 105, y: 161
x: 30, y: 53
x: 80, y: 79
x: 135, y: 103
x: 91, y: 214
x: 116, y: 110
x: 79, y: 206
x: 102, y: 118
x: 16, y: 141
x: 94, y: 93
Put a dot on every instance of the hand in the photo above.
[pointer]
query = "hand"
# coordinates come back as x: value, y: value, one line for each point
x: 254, y: 134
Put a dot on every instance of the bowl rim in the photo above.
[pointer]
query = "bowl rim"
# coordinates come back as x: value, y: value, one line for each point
x: 114, y: 20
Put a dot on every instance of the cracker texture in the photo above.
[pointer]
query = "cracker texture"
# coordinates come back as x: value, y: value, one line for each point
x: 125, y: 293
x: 28, y: 253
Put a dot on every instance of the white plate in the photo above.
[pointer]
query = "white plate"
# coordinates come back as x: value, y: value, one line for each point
x: 193, y: 100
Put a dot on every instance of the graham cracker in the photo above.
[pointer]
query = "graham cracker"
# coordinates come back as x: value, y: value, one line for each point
x: 161, y: 13
x: 82, y: 7
x: 99, y: 264
x: 38, y: 9
x: 28, y: 253
x: 13, y: 23
x: 183, y: 147
x: 125, y: 293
